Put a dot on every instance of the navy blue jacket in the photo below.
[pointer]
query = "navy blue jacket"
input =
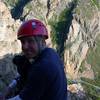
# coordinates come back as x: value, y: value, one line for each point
x: 44, y: 79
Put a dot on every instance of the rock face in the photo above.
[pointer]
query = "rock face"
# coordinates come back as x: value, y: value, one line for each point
x: 8, y: 45
x: 82, y: 34
x: 81, y: 40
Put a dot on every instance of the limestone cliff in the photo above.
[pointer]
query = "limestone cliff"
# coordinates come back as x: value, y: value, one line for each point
x: 8, y: 45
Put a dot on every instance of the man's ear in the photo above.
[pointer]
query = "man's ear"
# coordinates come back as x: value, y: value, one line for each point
x: 43, y: 42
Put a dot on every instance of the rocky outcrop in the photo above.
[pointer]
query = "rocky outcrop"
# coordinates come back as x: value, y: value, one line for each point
x: 8, y: 45
x: 82, y: 36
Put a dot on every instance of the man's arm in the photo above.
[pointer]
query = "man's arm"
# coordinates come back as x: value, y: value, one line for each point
x: 35, y: 86
x: 11, y: 87
x: 34, y: 89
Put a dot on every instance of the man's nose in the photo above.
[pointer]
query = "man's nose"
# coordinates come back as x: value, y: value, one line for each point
x: 25, y: 45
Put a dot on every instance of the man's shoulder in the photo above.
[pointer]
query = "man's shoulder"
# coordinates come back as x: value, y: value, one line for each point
x: 49, y: 54
x: 47, y: 49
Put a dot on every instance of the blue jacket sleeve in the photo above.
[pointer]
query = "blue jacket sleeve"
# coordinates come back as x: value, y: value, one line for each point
x: 35, y: 87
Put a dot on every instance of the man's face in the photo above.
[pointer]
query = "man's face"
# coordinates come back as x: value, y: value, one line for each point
x: 29, y: 47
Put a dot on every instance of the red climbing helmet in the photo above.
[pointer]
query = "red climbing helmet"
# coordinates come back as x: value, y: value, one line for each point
x: 32, y: 27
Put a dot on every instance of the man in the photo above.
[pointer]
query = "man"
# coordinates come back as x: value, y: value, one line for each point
x: 41, y: 72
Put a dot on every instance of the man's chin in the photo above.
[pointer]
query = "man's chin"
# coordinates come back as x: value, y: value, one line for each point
x: 29, y: 56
